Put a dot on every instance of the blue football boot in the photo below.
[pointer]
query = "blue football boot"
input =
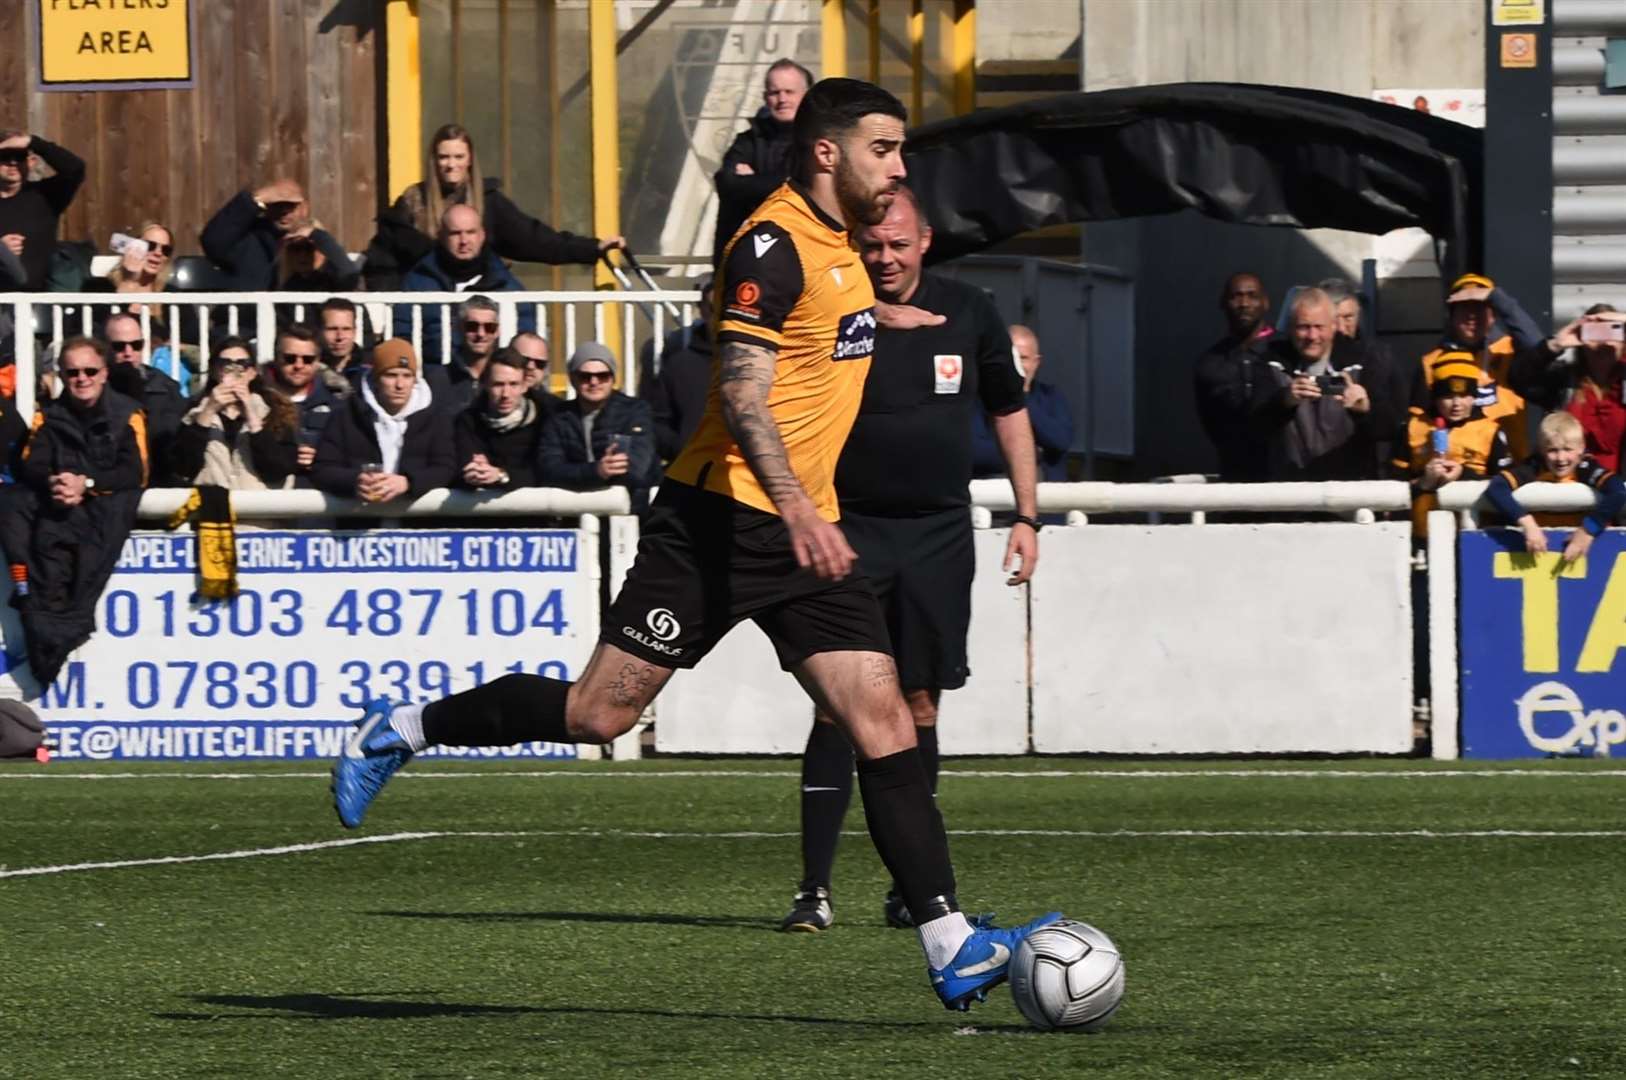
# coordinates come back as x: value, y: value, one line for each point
x: 982, y: 963
x: 373, y: 754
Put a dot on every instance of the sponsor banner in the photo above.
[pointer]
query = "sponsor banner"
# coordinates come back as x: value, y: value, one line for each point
x: 325, y: 622
x: 1542, y: 647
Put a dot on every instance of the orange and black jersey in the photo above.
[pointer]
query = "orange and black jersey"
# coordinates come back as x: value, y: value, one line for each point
x: 1478, y: 443
x: 790, y: 282
x: 1609, y: 486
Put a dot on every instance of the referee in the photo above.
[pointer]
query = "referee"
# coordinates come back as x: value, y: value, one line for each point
x: 902, y: 481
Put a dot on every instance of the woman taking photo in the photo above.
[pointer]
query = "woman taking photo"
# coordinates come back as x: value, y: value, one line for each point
x: 406, y: 231
x: 239, y: 433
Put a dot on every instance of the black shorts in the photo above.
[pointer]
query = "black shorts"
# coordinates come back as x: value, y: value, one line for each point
x: 706, y: 562
x: 921, y: 570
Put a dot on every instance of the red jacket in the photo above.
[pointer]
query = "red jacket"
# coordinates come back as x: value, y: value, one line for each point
x: 1602, y: 412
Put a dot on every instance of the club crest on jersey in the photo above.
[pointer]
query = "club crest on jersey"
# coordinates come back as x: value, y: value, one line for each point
x: 855, y: 337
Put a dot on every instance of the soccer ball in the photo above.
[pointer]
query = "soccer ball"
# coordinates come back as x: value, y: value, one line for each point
x: 1067, y: 975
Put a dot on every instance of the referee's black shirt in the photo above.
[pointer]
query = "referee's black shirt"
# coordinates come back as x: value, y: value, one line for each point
x: 910, y: 449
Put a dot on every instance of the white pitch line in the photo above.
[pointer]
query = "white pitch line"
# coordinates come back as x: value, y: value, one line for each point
x: 638, y: 834
x: 972, y: 774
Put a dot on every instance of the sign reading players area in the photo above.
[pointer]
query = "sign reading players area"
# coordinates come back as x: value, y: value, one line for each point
x: 115, y: 44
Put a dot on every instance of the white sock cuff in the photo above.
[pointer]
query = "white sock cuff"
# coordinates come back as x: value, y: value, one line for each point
x: 407, y: 720
x: 941, y: 938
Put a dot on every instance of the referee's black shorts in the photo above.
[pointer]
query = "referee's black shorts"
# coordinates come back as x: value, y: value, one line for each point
x: 921, y: 570
x: 706, y: 562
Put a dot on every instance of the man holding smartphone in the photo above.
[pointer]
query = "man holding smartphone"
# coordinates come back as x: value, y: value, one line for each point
x: 601, y: 437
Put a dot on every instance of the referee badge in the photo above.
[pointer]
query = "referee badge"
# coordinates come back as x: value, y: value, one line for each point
x: 949, y: 369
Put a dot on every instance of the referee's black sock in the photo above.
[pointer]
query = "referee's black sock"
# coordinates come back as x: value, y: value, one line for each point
x: 514, y: 709
x: 908, y: 832
x: 827, y: 789
x: 926, y: 740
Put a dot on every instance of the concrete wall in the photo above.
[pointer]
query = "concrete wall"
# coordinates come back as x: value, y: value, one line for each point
x: 1179, y: 261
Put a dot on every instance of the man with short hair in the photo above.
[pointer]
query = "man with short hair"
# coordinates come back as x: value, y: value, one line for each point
x: 745, y: 528
x: 31, y: 209
x: 903, y: 480
x: 533, y: 349
x: 1233, y: 382
x: 760, y: 157
x: 1385, y: 380
x: 157, y: 394
x: 341, y: 350
x: 499, y: 436
x: 1319, y: 419
x: 388, y: 440
x: 297, y: 372
x: 459, y: 263
x: 64, y: 522
x: 245, y: 236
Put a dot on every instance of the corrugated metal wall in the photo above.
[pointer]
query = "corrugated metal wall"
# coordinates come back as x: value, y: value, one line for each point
x: 1589, y: 160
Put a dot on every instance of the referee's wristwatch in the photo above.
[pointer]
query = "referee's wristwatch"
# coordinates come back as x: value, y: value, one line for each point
x: 1031, y: 522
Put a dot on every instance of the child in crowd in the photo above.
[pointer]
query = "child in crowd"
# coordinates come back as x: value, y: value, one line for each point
x: 1452, y: 439
x: 1563, y: 460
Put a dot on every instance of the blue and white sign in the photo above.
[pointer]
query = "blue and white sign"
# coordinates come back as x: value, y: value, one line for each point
x: 325, y: 622
x: 1543, y: 647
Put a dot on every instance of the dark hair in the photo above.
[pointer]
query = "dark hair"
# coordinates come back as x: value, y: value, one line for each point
x: 339, y: 303
x: 1599, y: 309
x: 785, y: 63
x: 81, y: 342
x: 232, y: 342
x: 831, y: 109
x: 297, y: 331
x: 505, y: 357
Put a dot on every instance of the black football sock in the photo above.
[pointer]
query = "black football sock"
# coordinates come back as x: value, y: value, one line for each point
x: 926, y: 740
x: 514, y: 709
x: 908, y: 832
x: 827, y: 789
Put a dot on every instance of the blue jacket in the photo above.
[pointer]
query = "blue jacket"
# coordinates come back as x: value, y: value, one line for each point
x: 432, y: 275
x: 1052, y: 422
x: 565, y: 462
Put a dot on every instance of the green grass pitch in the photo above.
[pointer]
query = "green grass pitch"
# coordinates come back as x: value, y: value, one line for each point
x: 1277, y: 919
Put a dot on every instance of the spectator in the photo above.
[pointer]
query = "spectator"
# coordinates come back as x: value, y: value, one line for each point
x: 388, y: 439
x: 158, y: 395
x: 759, y: 158
x: 1475, y: 308
x: 1233, y: 382
x: 479, y: 320
x: 239, y: 434
x: 406, y: 231
x: 63, y: 524
x: 176, y: 361
x: 31, y: 209
x: 1386, y: 380
x: 601, y: 437
x: 533, y: 349
x: 311, y: 260
x: 1583, y: 372
x: 460, y: 263
x: 1563, y: 460
x: 341, y: 350
x: 297, y: 373
x: 1047, y: 410
x: 499, y: 437
x: 1319, y: 418
x: 1452, y: 438
x: 246, y: 238
x: 677, y: 394
x: 145, y: 269
x: 13, y: 433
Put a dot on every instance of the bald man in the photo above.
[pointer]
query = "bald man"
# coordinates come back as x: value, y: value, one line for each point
x: 461, y: 262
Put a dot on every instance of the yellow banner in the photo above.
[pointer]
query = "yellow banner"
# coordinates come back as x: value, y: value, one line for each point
x: 87, y: 43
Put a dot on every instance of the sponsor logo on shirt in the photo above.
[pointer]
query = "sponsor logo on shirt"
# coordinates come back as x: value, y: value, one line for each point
x: 744, y: 301
x: 950, y: 370
x: 855, y: 336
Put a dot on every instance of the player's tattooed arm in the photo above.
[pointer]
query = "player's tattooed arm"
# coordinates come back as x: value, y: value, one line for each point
x: 745, y: 377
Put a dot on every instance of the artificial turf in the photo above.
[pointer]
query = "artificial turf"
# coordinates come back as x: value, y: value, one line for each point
x: 580, y: 950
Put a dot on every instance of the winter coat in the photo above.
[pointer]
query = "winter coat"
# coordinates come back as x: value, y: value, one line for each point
x: 160, y: 399
x: 517, y: 452
x: 566, y: 463
x: 432, y: 274
x: 349, y: 441
x: 70, y: 551
x: 398, y: 246
x: 37, y: 207
x: 1052, y: 422
x: 1233, y: 386
x: 1318, y: 439
x: 244, y: 245
x: 767, y: 147
x: 677, y: 396
x: 219, y: 450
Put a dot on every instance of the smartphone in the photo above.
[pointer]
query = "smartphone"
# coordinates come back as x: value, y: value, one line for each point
x: 125, y: 245
x: 1331, y: 385
x: 1602, y: 333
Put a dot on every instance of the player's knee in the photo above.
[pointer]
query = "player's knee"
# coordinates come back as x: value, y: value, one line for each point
x: 922, y: 707
x: 601, y: 725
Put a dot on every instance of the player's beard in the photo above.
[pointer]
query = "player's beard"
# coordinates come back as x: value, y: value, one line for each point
x: 858, y: 202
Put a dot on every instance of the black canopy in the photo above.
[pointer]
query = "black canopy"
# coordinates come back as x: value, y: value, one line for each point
x: 1259, y: 155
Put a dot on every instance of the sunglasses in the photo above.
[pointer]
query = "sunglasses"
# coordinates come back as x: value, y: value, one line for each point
x: 298, y: 359
x: 162, y: 249
x: 135, y: 345
x: 593, y: 376
x: 472, y: 326
x: 13, y: 157
x: 277, y: 209
x: 536, y: 365
x: 81, y: 372
x: 233, y: 367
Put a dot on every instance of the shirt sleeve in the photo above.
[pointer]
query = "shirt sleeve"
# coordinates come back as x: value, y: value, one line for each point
x: 999, y: 384
x: 761, y: 283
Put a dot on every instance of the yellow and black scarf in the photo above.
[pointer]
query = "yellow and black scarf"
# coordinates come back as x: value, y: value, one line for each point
x: 209, y: 510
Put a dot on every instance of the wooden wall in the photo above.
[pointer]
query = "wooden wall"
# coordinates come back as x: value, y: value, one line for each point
x: 283, y: 88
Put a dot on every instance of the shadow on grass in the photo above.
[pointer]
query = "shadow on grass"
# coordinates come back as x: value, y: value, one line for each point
x: 646, y: 918
x: 387, y: 1007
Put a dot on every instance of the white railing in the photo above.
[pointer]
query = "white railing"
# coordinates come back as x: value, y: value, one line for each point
x: 582, y: 316
x: 160, y: 503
